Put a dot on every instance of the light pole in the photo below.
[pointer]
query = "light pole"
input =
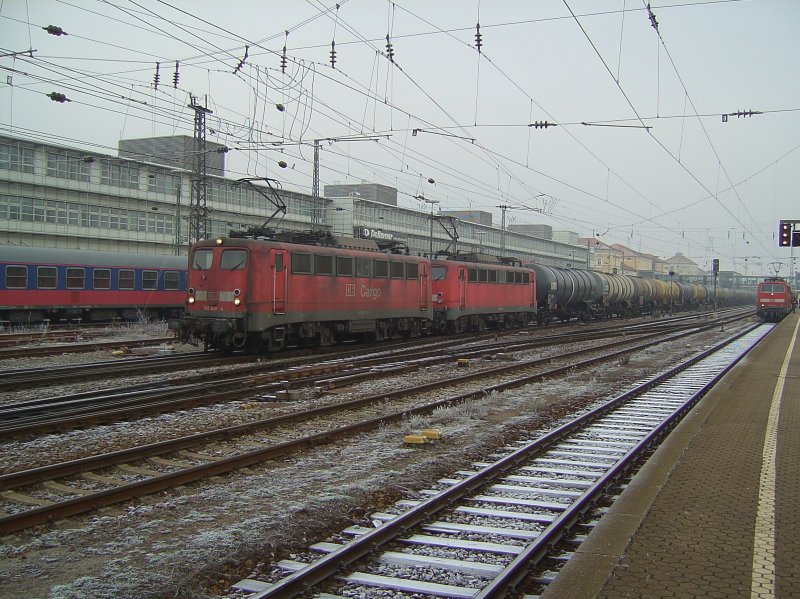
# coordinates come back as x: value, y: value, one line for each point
x: 178, y: 220
x: 671, y: 294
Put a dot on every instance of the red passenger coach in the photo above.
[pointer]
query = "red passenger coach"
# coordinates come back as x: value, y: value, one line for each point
x: 470, y: 295
x: 263, y: 295
x: 774, y: 299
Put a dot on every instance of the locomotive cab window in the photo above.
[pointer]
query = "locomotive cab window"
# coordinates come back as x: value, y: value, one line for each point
x: 438, y: 273
x: 362, y: 267
x: 301, y: 264
x: 344, y: 266
x: 412, y: 270
x: 233, y: 260
x: 380, y: 269
x: 76, y: 278
x: 323, y: 265
x: 16, y: 277
x: 126, y: 279
x: 149, y: 279
x: 398, y: 270
x: 101, y: 278
x: 202, y: 259
x: 46, y: 277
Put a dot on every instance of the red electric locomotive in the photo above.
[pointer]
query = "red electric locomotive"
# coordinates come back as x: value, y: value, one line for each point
x: 263, y: 295
x: 774, y: 299
x: 474, y: 292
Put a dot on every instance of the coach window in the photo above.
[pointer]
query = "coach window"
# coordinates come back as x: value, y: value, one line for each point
x: 323, y: 265
x: 398, y: 270
x: 172, y: 280
x: 412, y: 270
x: 438, y: 273
x: 202, y: 259
x: 126, y: 279
x: 493, y: 276
x: 149, y: 279
x: 101, y: 278
x: 482, y: 275
x: 380, y: 269
x: 301, y: 264
x: 473, y: 275
x: 16, y: 277
x: 233, y: 260
x: 362, y: 267
x: 344, y: 266
x: 76, y: 278
x: 46, y: 277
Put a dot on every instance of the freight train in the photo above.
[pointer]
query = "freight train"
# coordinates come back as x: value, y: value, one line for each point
x: 775, y: 299
x: 54, y: 284
x: 564, y: 294
x: 263, y: 295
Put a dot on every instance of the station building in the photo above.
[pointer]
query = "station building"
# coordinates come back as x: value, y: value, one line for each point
x: 139, y: 201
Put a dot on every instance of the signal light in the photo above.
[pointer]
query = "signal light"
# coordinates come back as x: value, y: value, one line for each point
x: 785, y: 234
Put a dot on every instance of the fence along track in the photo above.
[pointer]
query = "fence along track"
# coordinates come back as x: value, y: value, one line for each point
x: 521, y: 505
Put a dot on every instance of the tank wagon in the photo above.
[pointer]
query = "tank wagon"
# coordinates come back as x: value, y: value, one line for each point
x: 56, y: 284
x: 564, y: 294
x: 774, y: 299
x: 473, y: 292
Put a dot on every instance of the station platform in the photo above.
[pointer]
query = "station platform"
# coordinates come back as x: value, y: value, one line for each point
x: 715, y: 512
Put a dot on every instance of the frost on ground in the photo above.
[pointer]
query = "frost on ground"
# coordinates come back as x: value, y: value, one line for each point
x: 195, y: 541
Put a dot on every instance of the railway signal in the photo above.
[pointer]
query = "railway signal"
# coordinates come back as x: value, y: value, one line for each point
x: 785, y: 237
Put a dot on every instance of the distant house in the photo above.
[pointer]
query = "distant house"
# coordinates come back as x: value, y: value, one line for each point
x: 681, y: 265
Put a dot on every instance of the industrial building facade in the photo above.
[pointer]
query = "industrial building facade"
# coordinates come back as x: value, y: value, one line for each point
x: 139, y: 202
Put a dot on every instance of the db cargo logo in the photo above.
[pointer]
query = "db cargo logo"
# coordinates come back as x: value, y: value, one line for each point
x: 350, y: 290
x: 370, y: 292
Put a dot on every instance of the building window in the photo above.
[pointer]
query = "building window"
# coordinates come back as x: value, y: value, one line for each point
x: 599, y: 261
x: 163, y: 182
x: 120, y: 175
x: 66, y: 166
x: 13, y: 157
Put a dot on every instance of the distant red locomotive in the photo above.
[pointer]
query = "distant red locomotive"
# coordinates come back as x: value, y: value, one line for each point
x: 262, y: 295
x: 774, y: 299
x: 469, y: 295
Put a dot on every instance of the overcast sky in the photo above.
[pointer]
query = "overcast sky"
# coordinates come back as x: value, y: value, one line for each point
x: 641, y: 154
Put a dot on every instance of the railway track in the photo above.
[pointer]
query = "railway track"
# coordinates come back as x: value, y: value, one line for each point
x: 158, y: 466
x: 89, y: 408
x: 505, y: 527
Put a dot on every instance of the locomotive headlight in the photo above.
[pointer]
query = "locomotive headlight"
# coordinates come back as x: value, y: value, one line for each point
x: 237, y: 301
x: 190, y: 301
x: 219, y: 240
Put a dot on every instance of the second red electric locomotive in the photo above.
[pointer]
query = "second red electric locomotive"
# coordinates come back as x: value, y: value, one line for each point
x: 473, y: 293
